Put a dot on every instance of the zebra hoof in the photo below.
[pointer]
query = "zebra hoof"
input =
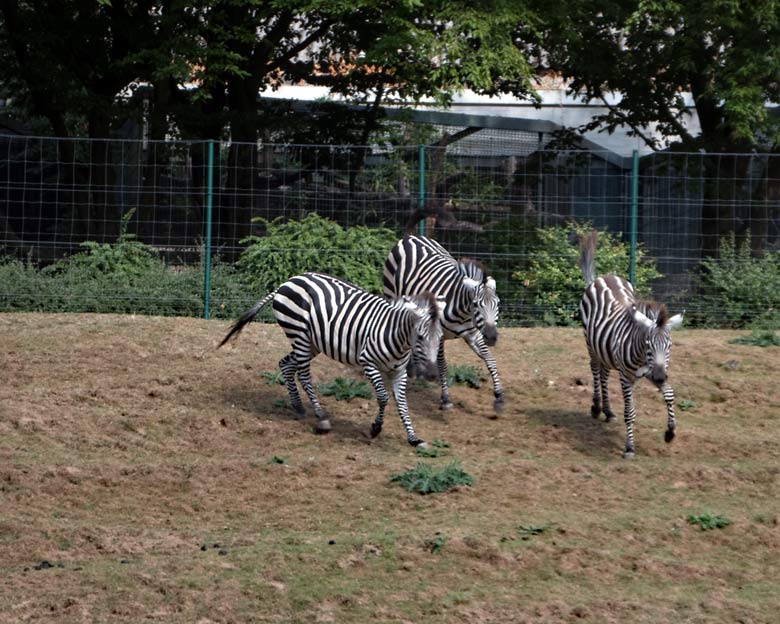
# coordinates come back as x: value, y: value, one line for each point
x: 609, y: 416
x: 445, y: 406
x: 628, y: 454
x: 498, y: 405
x: 375, y: 430
x: 322, y: 426
x: 417, y: 443
x: 669, y: 435
x: 299, y: 410
x: 595, y: 411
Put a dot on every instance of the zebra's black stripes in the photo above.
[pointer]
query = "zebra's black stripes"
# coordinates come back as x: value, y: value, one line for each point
x: 627, y: 335
x: 323, y: 314
x: 418, y: 264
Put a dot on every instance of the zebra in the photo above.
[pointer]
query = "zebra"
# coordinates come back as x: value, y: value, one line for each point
x: 625, y: 334
x: 417, y: 264
x: 320, y: 313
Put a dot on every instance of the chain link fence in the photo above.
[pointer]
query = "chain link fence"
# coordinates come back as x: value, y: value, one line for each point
x: 698, y: 231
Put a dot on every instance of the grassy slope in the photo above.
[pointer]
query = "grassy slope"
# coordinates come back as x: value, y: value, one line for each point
x: 129, y: 445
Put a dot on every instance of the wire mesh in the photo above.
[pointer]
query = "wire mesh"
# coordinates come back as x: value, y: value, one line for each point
x: 488, y: 194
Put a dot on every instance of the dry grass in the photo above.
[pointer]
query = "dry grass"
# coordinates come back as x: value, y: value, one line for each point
x: 139, y: 463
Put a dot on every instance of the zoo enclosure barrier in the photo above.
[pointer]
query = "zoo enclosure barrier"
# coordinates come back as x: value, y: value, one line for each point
x: 196, y: 202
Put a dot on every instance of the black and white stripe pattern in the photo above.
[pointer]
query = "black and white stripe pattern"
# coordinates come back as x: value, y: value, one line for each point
x: 323, y: 314
x: 627, y: 335
x: 418, y: 264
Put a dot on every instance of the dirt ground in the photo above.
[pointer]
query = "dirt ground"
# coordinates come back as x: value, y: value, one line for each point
x: 146, y: 476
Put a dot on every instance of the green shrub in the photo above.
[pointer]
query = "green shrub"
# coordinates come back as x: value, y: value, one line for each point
x: 345, y: 389
x: 356, y: 254
x: 464, y: 374
x: 122, y: 277
x: 758, y: 338
x: 553, y: 278
x: 425, y: 479
x: 708, y: 521
x: 737, y: 288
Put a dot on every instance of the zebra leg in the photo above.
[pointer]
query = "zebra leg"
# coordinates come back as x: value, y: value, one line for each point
x: 399, y: 393
x: 629, y: 415
x: 595, y: 369
x: 445, y: 404
x: 289, y: 367
x: 671, y: 425
x: 375, y: 377
x: 610, y: 415
x: 478, y: 346
x: 304, y: 375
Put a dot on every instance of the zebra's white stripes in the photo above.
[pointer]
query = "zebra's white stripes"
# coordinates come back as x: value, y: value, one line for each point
x: 627, y: 335
x: 323, y: 314
x: 418, y: 264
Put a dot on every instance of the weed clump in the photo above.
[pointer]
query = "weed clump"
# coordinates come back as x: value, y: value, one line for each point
x: 423, y: 478
x: 708, y: 521
x: 345, y: 389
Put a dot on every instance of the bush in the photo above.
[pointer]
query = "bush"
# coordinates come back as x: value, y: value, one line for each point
x: 122, y: 277
x: 427, y: 480
x: 738, y: 289
x: 553, y: 279
x: 356, y: 254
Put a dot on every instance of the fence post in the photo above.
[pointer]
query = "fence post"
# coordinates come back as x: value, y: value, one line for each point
x: 207, y: 250
x: 421, y: 157
x: 634, y: 216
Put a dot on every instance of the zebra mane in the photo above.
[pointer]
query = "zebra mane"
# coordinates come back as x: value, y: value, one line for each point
x: 472, y: 268
x: 424, y: 300
x: 654, y: 311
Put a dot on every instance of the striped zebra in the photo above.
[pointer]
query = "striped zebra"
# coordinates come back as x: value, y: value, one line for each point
x: 625, y: 334
x: 323, y: 314
x: 417, y: 264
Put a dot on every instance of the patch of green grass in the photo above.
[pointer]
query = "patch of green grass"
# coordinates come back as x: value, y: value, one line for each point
x: 527, y: 531
x: 429, y: 451
x: 438, y: 448
x: 280, y: 403
x: 425, y: 479
x: 277, y: 460
x: 345, y: 389
x: 273, y: 378
x: 758, y: 338
x: 463, y: 374
x: 686, y: 404
x: 436, y: 543
x: 708, y: 521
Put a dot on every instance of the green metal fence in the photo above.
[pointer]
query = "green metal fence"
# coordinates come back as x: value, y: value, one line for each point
x: 699, y: 231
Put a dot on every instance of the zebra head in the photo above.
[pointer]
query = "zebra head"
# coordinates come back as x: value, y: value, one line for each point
x: 656, y: 326
x: 427, y: 334
x: 484, y: 306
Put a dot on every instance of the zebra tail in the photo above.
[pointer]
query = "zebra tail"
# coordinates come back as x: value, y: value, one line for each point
x: 588, y: 256
x: 247, y: 317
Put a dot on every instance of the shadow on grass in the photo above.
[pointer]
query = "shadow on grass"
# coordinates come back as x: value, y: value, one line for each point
x: 272, y: 402
x: 584, y: 433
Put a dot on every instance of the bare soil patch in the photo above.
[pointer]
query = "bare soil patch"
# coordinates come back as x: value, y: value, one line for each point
x: 140, y: 480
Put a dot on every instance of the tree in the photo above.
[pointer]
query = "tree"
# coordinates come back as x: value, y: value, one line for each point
x: 724, y: 53
x: 203, y: 64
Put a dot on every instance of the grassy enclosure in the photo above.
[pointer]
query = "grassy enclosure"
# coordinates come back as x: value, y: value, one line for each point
x: 146, y: 476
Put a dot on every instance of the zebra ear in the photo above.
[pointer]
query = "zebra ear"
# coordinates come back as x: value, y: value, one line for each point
x: 441, y: 303
x: 470, y: 283
x: 490, y: 283
x: 676, y: 321
x: 640, y: 318
x: 411, y: 305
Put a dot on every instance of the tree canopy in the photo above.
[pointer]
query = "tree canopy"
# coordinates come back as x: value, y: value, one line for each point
x: 206, y: 61
x: 641, y: 58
